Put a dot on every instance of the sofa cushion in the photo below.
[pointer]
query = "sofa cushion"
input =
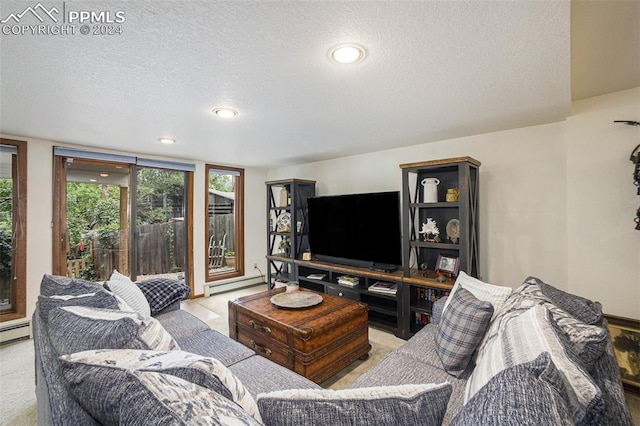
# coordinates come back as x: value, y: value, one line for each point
x: 117, y: 396
x: 162, y: 292
x: 214, y: 344
x: 78, y: 328
x: 272, y: 376
x: 525, y: 394
x: 401, y: 369
x: 521, y: 338
x: 97, y: 299
x: 180, y: 323
x: 422, y: 346
x: 494, y: 294
x: 408, y: 404
x: 54, y: 285
x: 129, y: 292
x: 583, y: 309
x: 587, y: 341
x: 461, y: 329
x: 202, y: 371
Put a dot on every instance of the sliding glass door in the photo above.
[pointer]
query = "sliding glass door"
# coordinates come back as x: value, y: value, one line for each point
x: 123, y: 213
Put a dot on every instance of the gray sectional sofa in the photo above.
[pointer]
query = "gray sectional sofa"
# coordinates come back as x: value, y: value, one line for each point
x: 110, y: 373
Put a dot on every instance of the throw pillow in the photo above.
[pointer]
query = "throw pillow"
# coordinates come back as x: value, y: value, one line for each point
x: 461, y: 329
x: 202, y: 371
x: 494, y: 294
x: 114, y: 396
x: 78, y: 328
x: 98, y: 299
x: 522, y: 339
x: 587, y: 341
x: 528, y: 394
x: 162, y: 292
x: 583, y: 309
x: 129, y: 291
x: 423, y: 404
x: 54, y: 285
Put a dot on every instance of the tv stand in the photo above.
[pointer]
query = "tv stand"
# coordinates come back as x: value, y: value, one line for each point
x: 402, y: 313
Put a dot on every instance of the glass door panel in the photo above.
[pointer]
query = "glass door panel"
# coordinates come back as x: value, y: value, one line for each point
x: 160, y: 243
x: 97, y: 224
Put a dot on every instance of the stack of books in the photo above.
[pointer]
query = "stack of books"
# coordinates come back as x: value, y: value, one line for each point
x: 349, y: 281
x: 386, y: 288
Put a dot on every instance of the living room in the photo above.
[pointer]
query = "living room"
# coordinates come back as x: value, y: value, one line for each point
x: 557, y: 198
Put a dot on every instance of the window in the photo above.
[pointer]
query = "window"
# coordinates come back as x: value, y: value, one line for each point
x: 224, y: 215
x: 13, y: 229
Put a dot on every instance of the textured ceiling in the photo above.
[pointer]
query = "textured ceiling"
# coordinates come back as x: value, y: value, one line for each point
x: 434, y: 70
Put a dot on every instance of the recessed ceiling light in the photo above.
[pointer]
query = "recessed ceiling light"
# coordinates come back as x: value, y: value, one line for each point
x: 168, y: 141
x: 225, y: 112
x: 93, y: 180
x: 347, y: 53
x: 104, y: 174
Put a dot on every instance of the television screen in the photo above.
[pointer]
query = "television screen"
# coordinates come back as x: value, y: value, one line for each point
x: 356, y: 229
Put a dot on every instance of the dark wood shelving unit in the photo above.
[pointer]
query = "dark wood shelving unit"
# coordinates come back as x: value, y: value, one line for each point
x: 461, y: 173
x: 287, y: 203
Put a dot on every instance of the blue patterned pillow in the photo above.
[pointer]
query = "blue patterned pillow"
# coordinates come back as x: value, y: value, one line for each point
x: 462, y: 327
x: 79, y: 328
x: 528, y: 394
x: 162, y: 292
x: 121, y: 397
x: 583, y: 309
x: 55, y: 285
x: 202, y: 371
x: 376, y: 406
x: 98, y: 299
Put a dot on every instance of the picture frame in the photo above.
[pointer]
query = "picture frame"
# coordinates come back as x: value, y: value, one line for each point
x: 447, y: 265
x: 625, y: 336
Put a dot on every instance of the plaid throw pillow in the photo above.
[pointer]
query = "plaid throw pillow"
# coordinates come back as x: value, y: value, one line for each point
x: 162, y: 292
x: 461, y: 329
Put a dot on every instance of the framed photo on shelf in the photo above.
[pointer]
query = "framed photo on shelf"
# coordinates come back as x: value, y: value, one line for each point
x: 447, y: 265
x: 625, y: 335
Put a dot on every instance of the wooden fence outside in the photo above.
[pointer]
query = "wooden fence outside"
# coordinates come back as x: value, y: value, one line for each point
x: 160, y: 248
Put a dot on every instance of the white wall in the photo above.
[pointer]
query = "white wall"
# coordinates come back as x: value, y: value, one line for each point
x: 556, y: 200
x: 40, y: 214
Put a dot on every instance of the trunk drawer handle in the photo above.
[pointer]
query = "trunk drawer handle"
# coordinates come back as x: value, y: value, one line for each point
x: 265, y: 330
x: 257, y: 347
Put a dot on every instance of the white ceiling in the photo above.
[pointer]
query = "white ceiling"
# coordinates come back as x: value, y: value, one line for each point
x: 434, y: 70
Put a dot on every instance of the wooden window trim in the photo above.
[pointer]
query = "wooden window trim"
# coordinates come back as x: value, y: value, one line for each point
x: 19, y: 290
x: 238, y: 224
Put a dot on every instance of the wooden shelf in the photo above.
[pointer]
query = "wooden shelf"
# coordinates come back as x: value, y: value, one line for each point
x: 297, y: 192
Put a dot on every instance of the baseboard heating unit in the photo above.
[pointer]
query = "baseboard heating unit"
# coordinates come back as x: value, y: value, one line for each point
x: 216, y: 288
x: 9, y: 333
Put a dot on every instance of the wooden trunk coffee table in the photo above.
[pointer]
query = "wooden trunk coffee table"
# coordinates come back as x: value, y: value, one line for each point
x: 315, y: 342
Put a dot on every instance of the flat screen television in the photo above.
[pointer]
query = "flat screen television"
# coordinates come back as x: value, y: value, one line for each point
x: 357, y: 229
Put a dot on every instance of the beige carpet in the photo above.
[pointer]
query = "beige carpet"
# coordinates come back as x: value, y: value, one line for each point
x: 17, y: 384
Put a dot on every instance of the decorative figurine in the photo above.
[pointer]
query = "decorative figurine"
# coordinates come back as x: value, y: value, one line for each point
x: 430, y: 231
